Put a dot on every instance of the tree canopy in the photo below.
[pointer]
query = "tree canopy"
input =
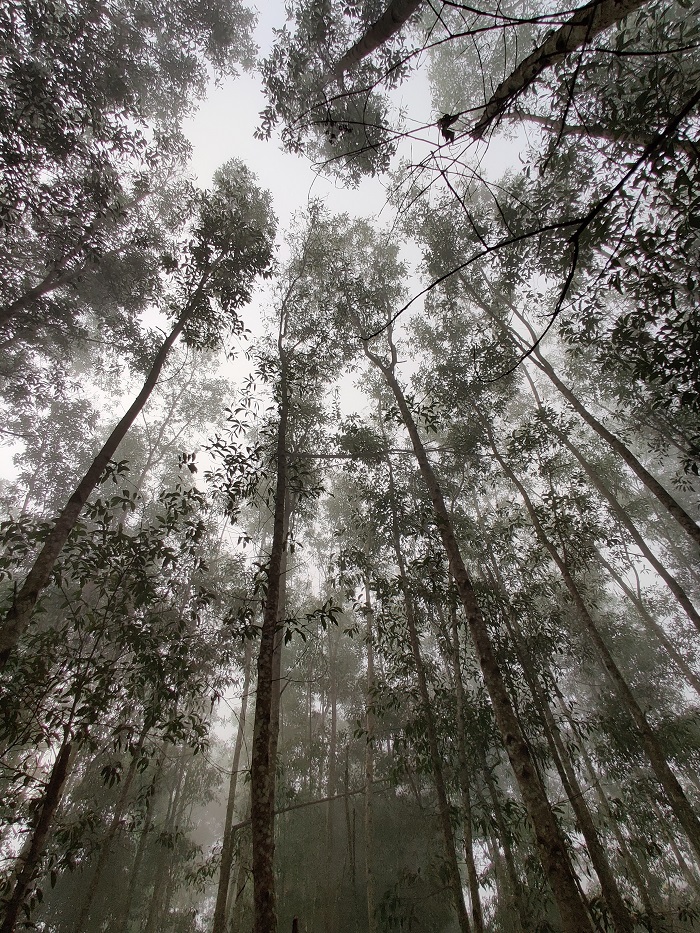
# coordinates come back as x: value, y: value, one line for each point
x: 348, y: 572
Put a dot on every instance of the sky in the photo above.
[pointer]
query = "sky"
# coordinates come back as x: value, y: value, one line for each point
x: 223, y: 127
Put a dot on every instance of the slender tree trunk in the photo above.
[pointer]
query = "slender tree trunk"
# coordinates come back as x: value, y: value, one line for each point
x: 262, y: 789
x: 638, y: 140
x: 673, y: 507
x: 17, y: 619
x: 623, y: 517
x: 584, y: 25
x: 237, y: 903
x: 155, y: 909
x: 514, y: 888
x: 135, y: 878
x: 151, y: 458
x: 331, y: 890
x: 464, y: 778
x: 653, y: 627
x: 627, y: 523
x: 674, y: 792
x: 551, y: 848
x: 436, y: 760
x: 219, y: 924
x: 54, y: 278
x: 370, y: 885
x: 630, y: 863
x: 389, y: 23
x: 108, y: 839
x: 621, y: 919
x: 29, y: 860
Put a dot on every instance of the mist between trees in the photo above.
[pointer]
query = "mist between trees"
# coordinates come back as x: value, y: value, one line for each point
x: 271, y: 664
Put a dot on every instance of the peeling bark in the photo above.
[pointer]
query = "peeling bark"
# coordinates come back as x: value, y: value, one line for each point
x: 585, y: 24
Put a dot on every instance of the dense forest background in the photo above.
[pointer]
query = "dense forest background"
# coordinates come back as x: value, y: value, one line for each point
x: 348, y: 577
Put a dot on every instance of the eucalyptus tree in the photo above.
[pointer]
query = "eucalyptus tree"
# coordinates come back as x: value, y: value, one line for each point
x: 72, y: 129
x: 121, y: 667
x: 372, y: 306
x: 229, y: 245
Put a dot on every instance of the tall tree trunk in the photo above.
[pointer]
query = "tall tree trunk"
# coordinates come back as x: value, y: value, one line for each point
x: 584, y: 25
x: 155, y: 909
x: 135, y: 879
x: 370, y: 885
x: 108, y: 839
x: 219, y: 924
x: 550, y: 845
x: 637, y: 140
x: 262, y: 789
x: 388, y: 24
x: 621, y: 919
x: 17, y: 619
x: 237, y: 903
x: 29, y: 860
x: 332, y: 888
x: 674, y: 792
x: 464, y: 777
x: 653, y: 627
x: 663, y: 496
x: 630, y: 863
x: 622, y: 516
x: 514, y: 899
x: 627, y: 523
x: 673, y: 507
x: 435, y: 758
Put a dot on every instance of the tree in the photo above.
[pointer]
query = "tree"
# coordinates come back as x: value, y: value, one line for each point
x: 230, y: 245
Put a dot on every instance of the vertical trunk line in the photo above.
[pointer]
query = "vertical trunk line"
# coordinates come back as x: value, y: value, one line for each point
x: 550, y: 845
x: 438, y: 777
x: 665, y: 776
x: 262, y: 788
x: 219, y: 923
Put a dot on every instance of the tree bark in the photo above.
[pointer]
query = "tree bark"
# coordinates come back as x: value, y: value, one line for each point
x: 370, y: 885
x: 29, y: 860
x: 436, y: 760
x: 464, y: 778
x: 17, y: 619
x: 621, y: 918
x: 396, y: 14
x: 262, y: 789
x: 585, y: 24
x: 550, y: 845
x: 219, y: 924
x: 674, y: 792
